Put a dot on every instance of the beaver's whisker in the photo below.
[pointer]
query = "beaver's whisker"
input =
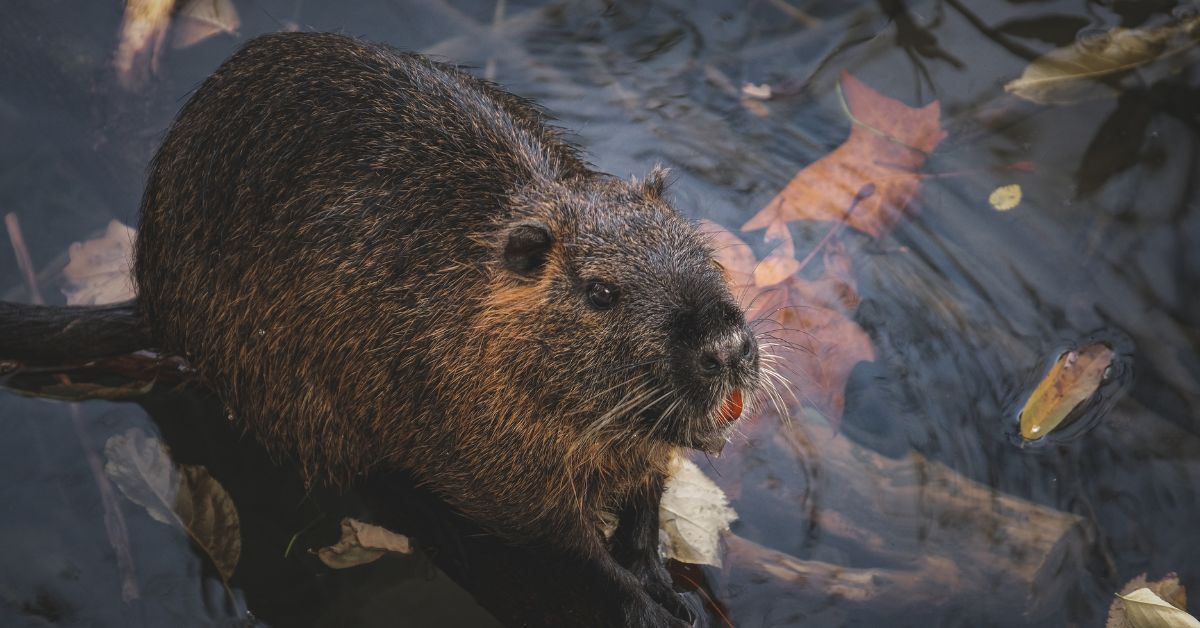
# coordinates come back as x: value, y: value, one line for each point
x: 630, y: 365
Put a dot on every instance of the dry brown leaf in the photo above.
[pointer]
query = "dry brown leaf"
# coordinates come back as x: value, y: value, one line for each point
x: 100, y: 271
x: 362, y: 543
x: 207, y: 513
x: 888, y: 144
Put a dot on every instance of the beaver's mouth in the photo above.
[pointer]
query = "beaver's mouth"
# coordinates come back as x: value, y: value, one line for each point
x: 710, y: 428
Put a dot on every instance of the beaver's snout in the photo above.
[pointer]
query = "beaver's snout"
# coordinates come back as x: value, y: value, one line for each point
x: 728, y: 353
x: 717, y: 353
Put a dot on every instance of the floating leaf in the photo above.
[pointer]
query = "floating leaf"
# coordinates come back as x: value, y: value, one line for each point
x: 1005, y: 197
x: 362, y: 543
x: 693, y: 514
x: 188, y: 498
x: 1085, y: 70
x: 100, y: 270
x: 1145, y: 609
x: 888, y: 144
x: 1075, y: 376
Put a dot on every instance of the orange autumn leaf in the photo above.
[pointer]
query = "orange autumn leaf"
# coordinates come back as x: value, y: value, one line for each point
x: 888, y: 144
x: 812, y: 335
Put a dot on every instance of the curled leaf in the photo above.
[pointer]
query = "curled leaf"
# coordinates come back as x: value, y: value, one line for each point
x: 1085, y: 70
x: 692, y: 515
x: 1145, y: 609
x: 1075, y: 377
x: 362, y: 543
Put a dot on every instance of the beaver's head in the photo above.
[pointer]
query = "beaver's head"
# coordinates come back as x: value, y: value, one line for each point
x: 622, y: 316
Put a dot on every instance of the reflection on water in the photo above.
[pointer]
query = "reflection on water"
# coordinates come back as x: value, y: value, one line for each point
x: 918, y: 503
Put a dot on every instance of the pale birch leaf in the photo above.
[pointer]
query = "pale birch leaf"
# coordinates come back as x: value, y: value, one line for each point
x: 693, y: 514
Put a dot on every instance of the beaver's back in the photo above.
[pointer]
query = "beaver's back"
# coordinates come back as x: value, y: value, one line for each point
x: 303, y: 222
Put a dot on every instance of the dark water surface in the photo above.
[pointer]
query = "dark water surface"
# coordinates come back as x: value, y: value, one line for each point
x: 965, y: 306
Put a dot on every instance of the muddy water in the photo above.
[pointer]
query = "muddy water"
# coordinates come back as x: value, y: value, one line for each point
x: 965, y: 307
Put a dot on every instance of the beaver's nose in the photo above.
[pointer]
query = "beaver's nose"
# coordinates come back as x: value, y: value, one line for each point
x: 726, y: 353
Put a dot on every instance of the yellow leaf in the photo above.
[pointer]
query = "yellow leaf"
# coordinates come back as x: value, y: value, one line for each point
x: 1005, y: 197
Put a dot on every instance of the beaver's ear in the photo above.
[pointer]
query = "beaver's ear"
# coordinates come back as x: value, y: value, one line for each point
x: 656, y: 183
x: 526, y: 247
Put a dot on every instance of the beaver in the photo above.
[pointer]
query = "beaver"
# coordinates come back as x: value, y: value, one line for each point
x: 377, y: 260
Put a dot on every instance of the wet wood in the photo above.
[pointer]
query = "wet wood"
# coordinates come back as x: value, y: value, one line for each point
x: 922, y: 535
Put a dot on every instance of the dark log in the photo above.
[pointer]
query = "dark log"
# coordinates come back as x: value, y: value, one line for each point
x: 48, y: 335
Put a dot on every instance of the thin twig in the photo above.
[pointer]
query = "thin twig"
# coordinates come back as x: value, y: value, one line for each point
x: 114, y: 520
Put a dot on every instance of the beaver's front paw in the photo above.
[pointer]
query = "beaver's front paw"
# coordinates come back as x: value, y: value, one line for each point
x: 657, y: 583
x: 646, y: 612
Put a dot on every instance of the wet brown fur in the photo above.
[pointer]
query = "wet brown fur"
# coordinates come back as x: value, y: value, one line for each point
x: 322, y: 236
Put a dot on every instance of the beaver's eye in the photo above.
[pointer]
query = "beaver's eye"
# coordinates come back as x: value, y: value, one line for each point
x: 601, y: 296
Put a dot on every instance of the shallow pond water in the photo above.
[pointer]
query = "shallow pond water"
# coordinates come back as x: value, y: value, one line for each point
x: 918, y: 505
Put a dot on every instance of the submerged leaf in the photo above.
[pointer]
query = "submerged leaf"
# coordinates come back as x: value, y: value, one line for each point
x: 362, y: 543
x: 692, y: 515
x: 188, y: 498
x: 1145, y: 609
x: 1078, y: 72
x: 889, y: 142
x: 141, y: 468
x: 143, y: 29
x: 201, y: 19
x: 1075, y: 377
